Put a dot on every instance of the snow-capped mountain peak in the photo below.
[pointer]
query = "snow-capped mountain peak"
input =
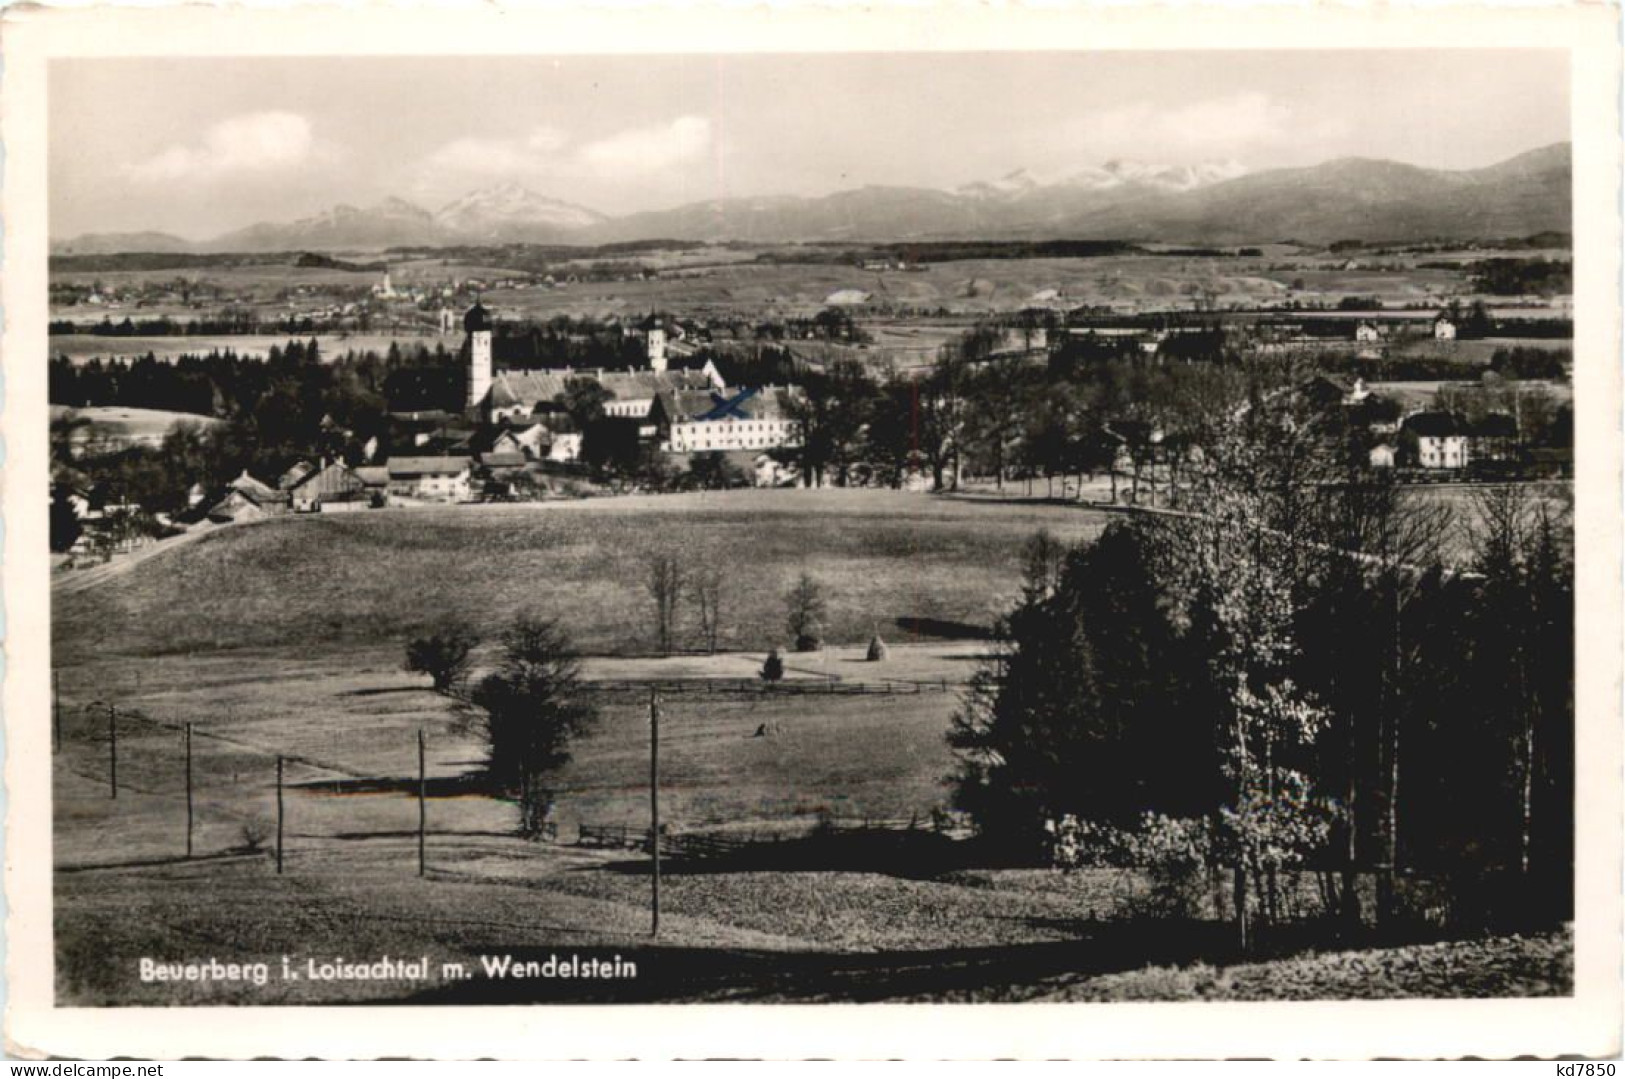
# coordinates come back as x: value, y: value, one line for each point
x: 1011, y: 185
x: 1119, y: 172
x: 509, y: 204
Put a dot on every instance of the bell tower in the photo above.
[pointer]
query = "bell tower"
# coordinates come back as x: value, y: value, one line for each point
x: 478, y: 325
x: 657, y: 349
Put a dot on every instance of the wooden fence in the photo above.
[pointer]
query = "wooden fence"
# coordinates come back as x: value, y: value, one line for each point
x: 719, y: 844
x: 795, y: 687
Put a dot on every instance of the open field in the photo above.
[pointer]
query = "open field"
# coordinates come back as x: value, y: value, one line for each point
x: 976, y: 286
x: 83, y: 347
x: 730, y: 280
x: 362, y: 578
x: 1415, y: 396
x: 131, y: 424
x: 831, y: 936
x: 284, y: 639
x: 348, y: 723
x: 1471, y: 354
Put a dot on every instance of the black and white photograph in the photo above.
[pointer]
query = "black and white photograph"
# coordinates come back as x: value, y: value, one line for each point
x: 753, y: 526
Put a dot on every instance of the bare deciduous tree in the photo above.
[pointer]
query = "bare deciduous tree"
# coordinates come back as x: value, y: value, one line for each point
x: 665, y: 581
x: 708, y: 587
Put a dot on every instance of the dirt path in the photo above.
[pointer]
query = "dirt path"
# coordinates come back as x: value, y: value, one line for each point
x: 69, y: 582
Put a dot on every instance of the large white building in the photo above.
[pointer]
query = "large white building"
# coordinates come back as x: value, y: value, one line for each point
x: 516, y: 395
x: 754, y: 419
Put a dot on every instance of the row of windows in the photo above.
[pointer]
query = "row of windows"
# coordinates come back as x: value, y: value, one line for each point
x: 726, y: 444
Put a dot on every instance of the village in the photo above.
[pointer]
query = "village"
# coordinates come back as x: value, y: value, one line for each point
x: 675, y: 422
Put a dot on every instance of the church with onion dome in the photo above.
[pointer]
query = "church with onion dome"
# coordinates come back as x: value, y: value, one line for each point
x: 496, y: 395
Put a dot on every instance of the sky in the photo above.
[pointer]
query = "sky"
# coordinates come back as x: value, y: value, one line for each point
x: 200, y: 146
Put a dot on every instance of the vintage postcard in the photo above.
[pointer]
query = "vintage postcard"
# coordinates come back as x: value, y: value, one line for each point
x: 743, y: 519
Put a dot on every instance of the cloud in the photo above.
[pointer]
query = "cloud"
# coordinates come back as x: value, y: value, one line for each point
x: 547, y: 155
x: 257, y: 142
x: 529, y: 153
x: 650, y: 149
x: 1235, y: 122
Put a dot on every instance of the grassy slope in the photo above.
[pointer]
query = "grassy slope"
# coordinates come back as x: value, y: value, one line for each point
x: 787, y: 936
x: 356, y: 714
x: 373, y: 577
x: 286, y: 637
x: 1533, y: 966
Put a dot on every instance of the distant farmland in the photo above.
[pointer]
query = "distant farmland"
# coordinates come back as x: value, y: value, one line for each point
x: 83, y: 347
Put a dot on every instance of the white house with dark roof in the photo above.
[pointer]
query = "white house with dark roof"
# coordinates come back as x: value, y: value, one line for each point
x: 430, y: 479
x: 1441, y: 439
x: 753, y: 419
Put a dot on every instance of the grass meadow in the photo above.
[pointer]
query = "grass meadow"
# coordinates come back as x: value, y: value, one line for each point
x: 890, y: 562
x: 285, y: 639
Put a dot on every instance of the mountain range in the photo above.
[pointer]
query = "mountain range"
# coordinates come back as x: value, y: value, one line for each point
x: 1210, y: 203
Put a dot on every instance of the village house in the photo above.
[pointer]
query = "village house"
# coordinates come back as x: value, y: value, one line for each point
x: 430, y: 479
x: 249, y: 499
x: 295, y: 474
x: 565, y: 447
x: 1440, y: 440
x: 1444, y: 329
x: 1494, y: 437
x: 330, y: 489
x: 553, y: 436
x: 1367, y: 332
x: 1018, y: 339
x: 502, y: 464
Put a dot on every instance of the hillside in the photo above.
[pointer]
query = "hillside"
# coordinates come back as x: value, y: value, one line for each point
x: 942, y: 566
x: 1354, y: 198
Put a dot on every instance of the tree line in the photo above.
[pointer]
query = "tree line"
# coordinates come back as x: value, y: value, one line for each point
x: 1301, y: 676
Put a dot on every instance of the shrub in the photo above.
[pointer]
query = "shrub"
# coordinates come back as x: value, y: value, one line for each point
x: 773, y: 667
x: 807, y: 611
x: 445, y: 654
x: 877, y: 650
x: 255, y: 831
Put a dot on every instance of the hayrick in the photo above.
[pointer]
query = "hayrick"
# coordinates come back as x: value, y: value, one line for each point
x: 211, y: 970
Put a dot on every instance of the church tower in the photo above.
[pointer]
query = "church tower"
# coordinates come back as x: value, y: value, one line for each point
x: 478, y: 324
x: 657, y: 349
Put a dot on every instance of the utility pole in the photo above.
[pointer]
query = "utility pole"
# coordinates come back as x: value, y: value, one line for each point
x: 279, y: 816
x: 654, y: 809
x: 188, y: 790
x: 112, y: 750
x: 423, y: 810
x: 56, y: 711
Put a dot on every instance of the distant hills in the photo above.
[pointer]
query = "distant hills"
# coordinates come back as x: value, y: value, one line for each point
x: 1212, y: 203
